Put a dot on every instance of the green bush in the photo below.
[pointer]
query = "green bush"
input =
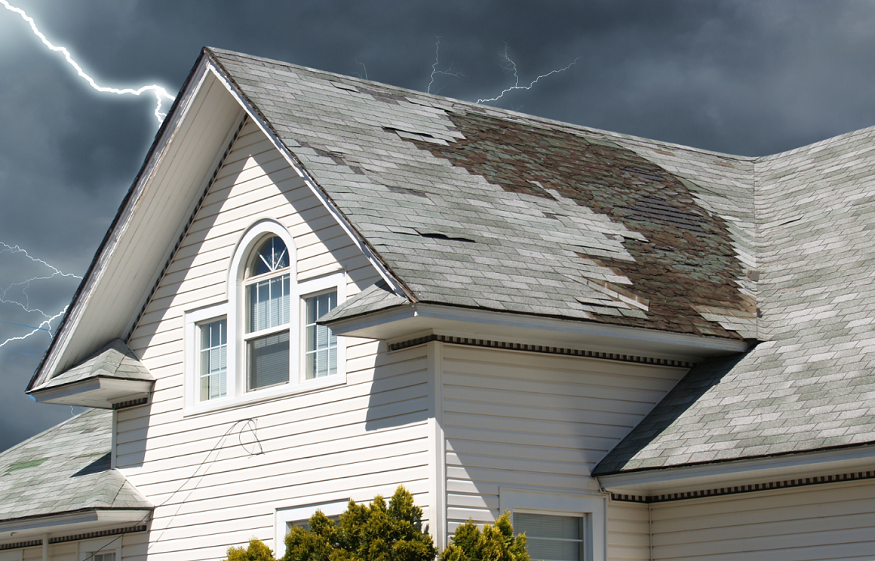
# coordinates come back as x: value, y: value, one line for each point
x: 256, y: 551
x: 374, y: 532
x: 393, y: 532
x: 495, y: 543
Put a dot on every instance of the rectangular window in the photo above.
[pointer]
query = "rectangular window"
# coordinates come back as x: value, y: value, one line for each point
x: 268, y: 360
x: 320, y: 354
x: 213, y: 359
x: 551, y: 538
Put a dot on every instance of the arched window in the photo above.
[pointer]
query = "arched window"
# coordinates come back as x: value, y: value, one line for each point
x: 267, y: 315
x: 264, y: 340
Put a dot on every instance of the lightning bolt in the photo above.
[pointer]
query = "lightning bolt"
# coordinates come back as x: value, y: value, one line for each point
x: 434, y: 67
x: 46, y: 323
x: 159, y: 92
x: 511, y: 65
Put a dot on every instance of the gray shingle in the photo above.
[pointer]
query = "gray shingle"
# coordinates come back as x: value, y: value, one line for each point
x: 64, y: 469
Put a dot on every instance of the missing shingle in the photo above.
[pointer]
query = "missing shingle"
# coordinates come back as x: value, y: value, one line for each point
x: 432, y: 235
x: 342, y: 86
x: 421, y: 136
x: 439, y: 236
x: 406, y: 191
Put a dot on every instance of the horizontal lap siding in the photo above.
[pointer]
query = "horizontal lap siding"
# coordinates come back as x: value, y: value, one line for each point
x: 213, y: 486
x: 830, y: 521
x: 532, y: 420
x: 628, y: 532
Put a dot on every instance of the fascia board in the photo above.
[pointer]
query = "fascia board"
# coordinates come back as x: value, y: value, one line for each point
x: 397, y: 285
x: 764, y: 469
x: 127, y: 388
x: 98, y: 266
x: 462, y: 321
x: 54, y: 523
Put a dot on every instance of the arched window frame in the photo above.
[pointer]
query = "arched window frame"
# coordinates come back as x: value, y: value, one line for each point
x: 234, y: 309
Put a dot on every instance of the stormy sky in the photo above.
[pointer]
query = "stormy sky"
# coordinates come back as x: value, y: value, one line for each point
x: 748, y: 78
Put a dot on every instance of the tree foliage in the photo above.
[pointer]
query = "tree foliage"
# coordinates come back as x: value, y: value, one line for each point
x: 388, y: 532
x: 495, y: 543
x: 257, y: 551
x: 375, y: 532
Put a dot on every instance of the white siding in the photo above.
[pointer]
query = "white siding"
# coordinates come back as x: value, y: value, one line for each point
x: 628, y: 531
x: 830, y: 521
x: 348, y: 441
x: 529, y: 420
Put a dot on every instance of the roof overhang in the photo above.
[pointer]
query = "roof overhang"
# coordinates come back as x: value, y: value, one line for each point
x: 751, y: 471
x: 102, y: 392
x: 69, y: 523
x: 402, y: 321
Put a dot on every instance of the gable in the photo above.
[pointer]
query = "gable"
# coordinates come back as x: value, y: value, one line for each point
x: 254, y: 184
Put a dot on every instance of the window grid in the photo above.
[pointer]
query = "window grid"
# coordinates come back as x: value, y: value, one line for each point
x: 320, y: 353
x: 213, y: 359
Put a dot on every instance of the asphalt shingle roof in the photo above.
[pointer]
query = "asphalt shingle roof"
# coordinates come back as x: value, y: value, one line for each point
x: 811, y: 384
x: 497, y: 210
x: 115, y: 360
x: 65, y: 469
x: 501, y: 211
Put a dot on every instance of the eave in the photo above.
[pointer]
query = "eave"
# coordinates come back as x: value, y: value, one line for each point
x: 102, y: 392
x: 736, y: 473
x: 75, y: 522
x: 399, y: 322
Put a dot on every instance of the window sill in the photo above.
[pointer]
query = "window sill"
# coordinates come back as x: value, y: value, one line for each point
x: 273, y: 393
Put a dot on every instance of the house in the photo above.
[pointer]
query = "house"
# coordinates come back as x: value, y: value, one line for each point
x: 319, y: 288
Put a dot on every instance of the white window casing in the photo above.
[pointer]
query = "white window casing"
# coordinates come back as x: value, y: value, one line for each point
x: 101, y: 549
x: 286, y: 517
x: 235, y: 311
x: 589, y: 509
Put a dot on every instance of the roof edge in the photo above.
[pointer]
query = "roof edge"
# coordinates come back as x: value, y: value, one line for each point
x: 39, y: 373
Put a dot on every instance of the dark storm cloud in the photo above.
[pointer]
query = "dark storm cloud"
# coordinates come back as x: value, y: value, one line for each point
x: 740, y: 77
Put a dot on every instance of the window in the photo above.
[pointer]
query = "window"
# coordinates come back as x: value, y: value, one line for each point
x: 100, y: 549
x: 551, y: 537
x: 320, y: 355
x: 213, y: 359
x: 268, y: 309
x: 286, y: 518
x: 262, y: 340
x: 558, y: 527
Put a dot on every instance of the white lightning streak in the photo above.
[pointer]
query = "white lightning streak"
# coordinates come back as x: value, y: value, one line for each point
x: 434, y: 70
x: 46, y: 324
x: 159, y: 92
x: 512, y: 65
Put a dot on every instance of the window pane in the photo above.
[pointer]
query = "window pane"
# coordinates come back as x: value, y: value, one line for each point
x: 268, y: 359
x: 267, y: 303
x: 272, y: 255
x: 321, y: 343
x: 213, y: 359
x: 550, y: 538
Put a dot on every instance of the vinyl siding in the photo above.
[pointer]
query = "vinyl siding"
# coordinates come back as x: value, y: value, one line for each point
x: 212, y: 486
x: 830, y: 521
x: 534, y: 421
x: 628, y: 531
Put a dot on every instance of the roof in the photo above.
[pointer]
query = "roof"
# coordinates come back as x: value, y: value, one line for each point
x: 115, y: 360
x: 65, y: 469
x: 500, y: 211
x: 467, y: 205
x: 811, y: 385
